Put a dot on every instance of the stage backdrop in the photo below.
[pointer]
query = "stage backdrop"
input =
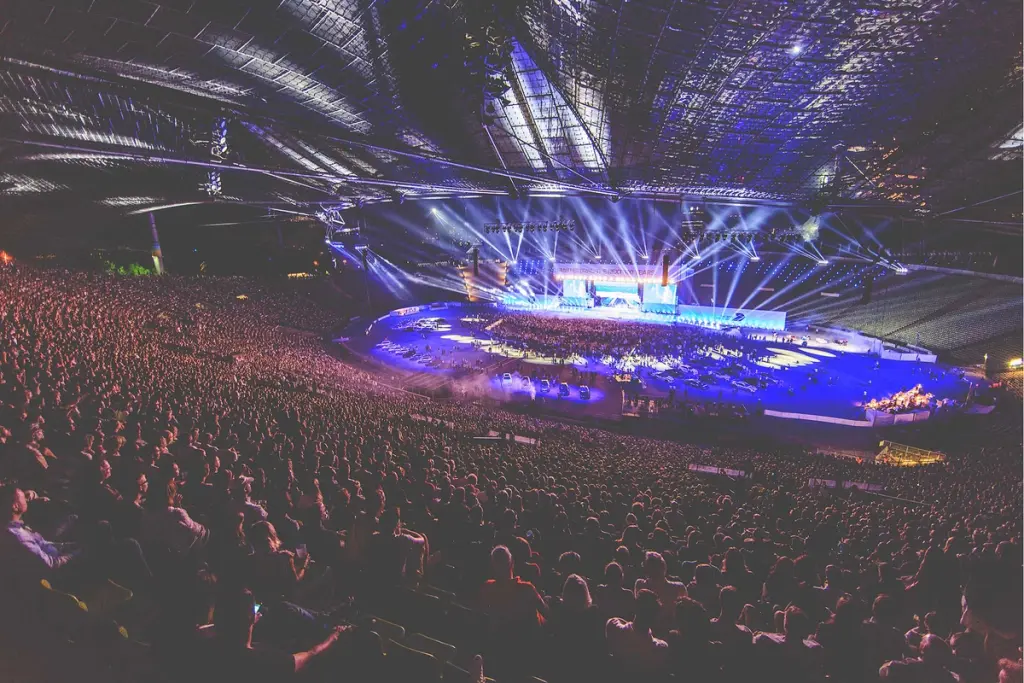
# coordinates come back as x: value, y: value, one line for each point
x: 732, y: 317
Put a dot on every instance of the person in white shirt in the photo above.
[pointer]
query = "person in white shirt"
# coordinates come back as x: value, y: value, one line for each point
x: 29, y: 556
x: 171, y: 527
x: 632, y: 643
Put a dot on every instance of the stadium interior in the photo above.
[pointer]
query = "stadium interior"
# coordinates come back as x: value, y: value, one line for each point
x: 512, y: 341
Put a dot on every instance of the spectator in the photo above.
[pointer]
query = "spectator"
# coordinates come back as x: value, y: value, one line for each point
x: 842, y: 638
x: 235, y: 655
x: 736, y: 639
x: 170, y: 528
x: 637, y: 651
x: 668, y: 591
x: 613, y: 600
x: 275, y: 572
x: 932, y: 666
x: 575, y: 630
x: 516, y: 612
x: 704, y: 587
x: 791, y: 655
x: 692, y: 652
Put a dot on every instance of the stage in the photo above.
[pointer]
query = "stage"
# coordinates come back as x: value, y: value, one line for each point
x: 799, y: 373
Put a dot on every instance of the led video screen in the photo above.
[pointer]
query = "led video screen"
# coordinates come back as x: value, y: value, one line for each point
x: 574, y: 289
x: 656, y: 294
x: 617, y: 290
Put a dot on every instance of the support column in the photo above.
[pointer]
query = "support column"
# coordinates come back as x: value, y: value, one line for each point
x: 158, y: 257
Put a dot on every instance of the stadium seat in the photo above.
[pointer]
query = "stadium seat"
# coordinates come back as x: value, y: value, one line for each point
x: 446, y: 597
x: 389, y: 632
x: 466, y: 626
x: 442, y: 651
x: 411, y: 666
x: 456, y: 674
x: 419, y: 610
x: 63, y: 612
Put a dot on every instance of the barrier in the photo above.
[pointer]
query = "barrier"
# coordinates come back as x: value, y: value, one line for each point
x: 881, y: 419
x: 817, y: 418
x: 529, y: 441
x: 870, y: 488
x: 834, y: 484
x: 902, y: 455
x: 431, y: 420
x: 907, y: 353
x: 723, y: 471
x: 408, y: 310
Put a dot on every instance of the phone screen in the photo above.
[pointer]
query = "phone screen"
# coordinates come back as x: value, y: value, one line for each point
x: 300, y: 551
x: 256, y: 608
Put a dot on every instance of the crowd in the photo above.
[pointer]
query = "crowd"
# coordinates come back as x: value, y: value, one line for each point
x: 565, y: 337
x: 242, y: 502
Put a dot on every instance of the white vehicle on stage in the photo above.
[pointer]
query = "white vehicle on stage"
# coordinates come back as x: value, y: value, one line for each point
x: 744, y: 385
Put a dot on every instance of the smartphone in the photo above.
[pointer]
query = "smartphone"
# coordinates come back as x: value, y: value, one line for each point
x: 300, y: 551
x: 256, y: 608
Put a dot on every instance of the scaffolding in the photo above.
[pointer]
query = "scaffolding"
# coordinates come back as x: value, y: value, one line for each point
x: 902, y: 455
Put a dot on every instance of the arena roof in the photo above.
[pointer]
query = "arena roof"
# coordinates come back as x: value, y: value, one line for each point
x: 913, y: 103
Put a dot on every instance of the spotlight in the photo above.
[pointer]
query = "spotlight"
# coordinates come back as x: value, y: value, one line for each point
x: 796, y: 49
x: 616, y: 198
x: 755, y: 258
x: 823, y: 262
x: 434, y: 211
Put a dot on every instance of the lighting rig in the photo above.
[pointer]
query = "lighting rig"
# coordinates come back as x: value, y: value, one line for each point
x: 550, y: 226
x: 219, y: 151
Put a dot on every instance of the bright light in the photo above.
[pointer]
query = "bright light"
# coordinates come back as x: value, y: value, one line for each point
x: 823, y: 262
x: 433, y: 210
x: 755, y: 258
x: 1017, y: 362
x: 796, y: 49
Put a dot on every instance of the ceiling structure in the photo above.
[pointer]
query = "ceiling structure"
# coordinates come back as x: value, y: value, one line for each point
x: 914, y: 104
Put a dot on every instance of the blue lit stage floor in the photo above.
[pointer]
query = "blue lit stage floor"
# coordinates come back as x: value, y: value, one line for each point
x: 821, y: 380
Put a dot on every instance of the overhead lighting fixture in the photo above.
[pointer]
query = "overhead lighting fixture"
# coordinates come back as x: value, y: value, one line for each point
x: 796, y: 49
x: 755, y: 258
x: 823, y: 262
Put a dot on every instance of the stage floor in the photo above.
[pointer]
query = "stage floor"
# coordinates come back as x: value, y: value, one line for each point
x: 819, y: 380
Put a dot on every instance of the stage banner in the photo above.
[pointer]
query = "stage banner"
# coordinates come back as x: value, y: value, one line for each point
x: 732, y: 317
x: 821, y: 483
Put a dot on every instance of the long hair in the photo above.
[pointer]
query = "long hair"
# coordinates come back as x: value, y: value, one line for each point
x: 576, y: 593
x: 264, y: 537
x: 734, y: 562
